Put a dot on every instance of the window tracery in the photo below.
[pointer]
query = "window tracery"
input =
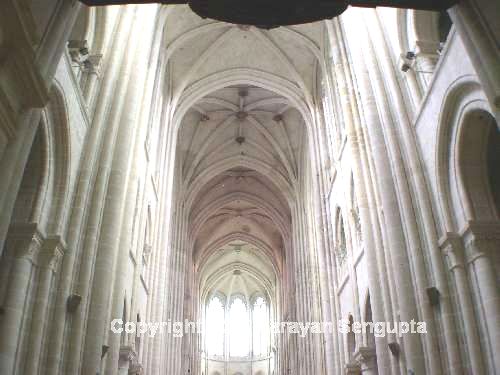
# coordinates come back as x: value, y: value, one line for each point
x: 237, y: 329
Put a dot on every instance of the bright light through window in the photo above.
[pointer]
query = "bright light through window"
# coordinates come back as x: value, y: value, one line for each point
x: 260, y: 327
x: 215, y: 327
x: 239, y: 329
x: 239, y: 337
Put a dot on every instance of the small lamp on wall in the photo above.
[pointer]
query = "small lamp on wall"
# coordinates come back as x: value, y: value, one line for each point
x: 394, y: 348
x: 104, y: 351
x: 73, y: 302
x: 433, y: 295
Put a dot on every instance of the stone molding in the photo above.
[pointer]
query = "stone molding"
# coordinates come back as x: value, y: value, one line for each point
x: 129, y: 360
x: 428, y: 49
x: 27, y: 240
x: 352, y: 368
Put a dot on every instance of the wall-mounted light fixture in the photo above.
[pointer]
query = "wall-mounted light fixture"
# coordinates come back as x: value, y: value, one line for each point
x: 104, y: 351
x: 433, y: 295
x: 394, y: 348
x: 73, y: 302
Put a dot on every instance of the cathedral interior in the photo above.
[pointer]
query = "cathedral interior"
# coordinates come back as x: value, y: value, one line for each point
x: 231, y: 168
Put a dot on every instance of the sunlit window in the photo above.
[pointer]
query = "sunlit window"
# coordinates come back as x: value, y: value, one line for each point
x: 237, y: 329
x: 215, y: 327
x: 239, y: 326
x: 260, y: 327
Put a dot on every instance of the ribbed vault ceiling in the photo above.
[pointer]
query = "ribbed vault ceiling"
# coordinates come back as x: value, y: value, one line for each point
x: 239, y: 268
x: 197, y: 48
x: 240, y: 144
x: 262, y: 131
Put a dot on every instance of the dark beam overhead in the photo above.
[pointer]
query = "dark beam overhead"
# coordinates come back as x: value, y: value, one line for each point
x: 274, y: 13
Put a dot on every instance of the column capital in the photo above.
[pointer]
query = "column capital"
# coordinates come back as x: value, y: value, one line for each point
x: 366, y: 357
x: 364, y: 354
x: 452, y: 246
x: 127, y: 353
x: 480, y: 239
x: 481, y: 230
x: 92, y: 65
x: 146, y: 252
x: 449, y: 239
x: 52, y: 252
x: 27, y: 240
x: 78, y: 50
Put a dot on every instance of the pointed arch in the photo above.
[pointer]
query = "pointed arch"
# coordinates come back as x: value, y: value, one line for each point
x: 60, y: 157
x: 47, y: 174
x: 463, y: 99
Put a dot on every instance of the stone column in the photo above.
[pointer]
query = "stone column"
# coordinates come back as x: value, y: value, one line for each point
x: 92, y: 74
x: 364, y: 195
x: 481, y: 241
x: 401, y: 211
x: 305, y: 313
x: 453, y: 249
x: 24, y: 247
x: 415, y: 204
x: 49, y: 261
x: 327, y: 309
x: 155, y: 286
x: 77, y: 268
x: 177, y: 278
x: 121, y: 275
x: 322, y: 215
x: 390, y: 217
x: 119, y: 177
